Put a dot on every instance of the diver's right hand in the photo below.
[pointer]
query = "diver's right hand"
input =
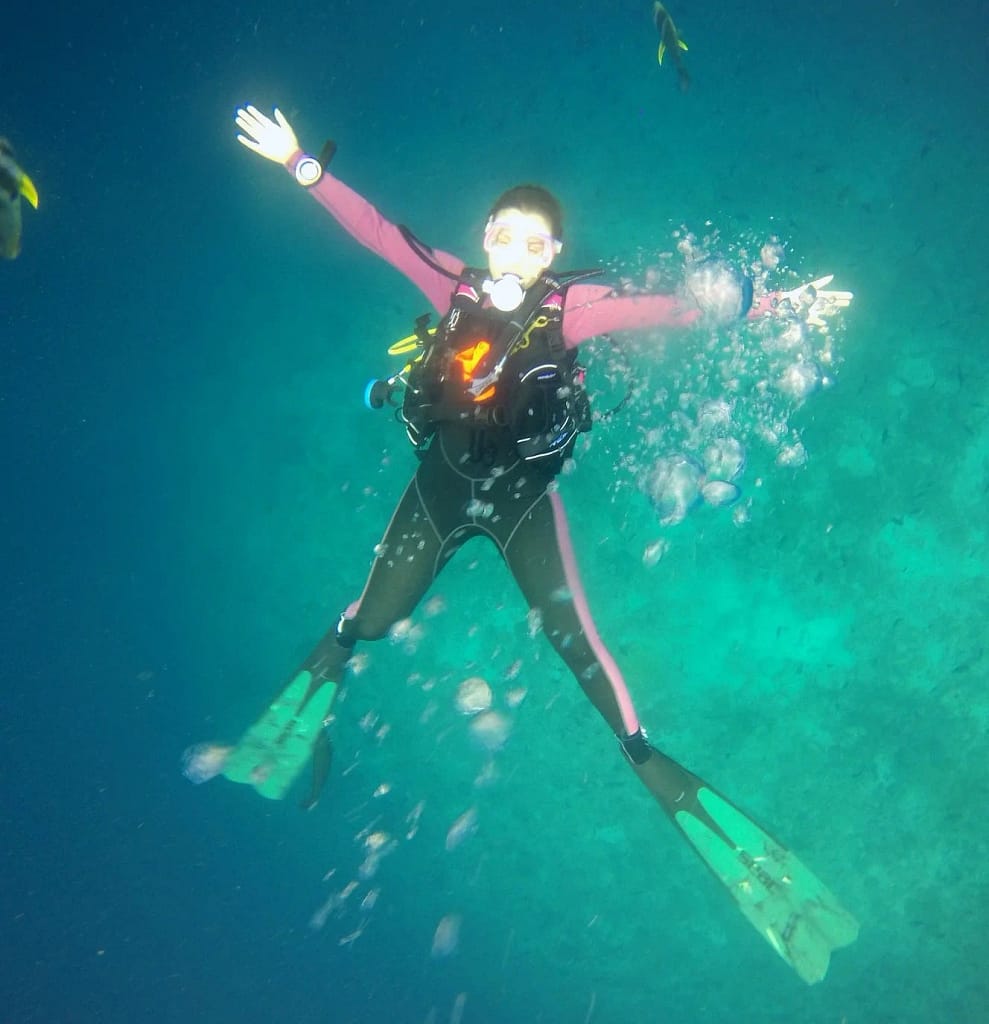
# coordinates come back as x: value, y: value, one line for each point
x: 814, y: 302
x: 274, y: 140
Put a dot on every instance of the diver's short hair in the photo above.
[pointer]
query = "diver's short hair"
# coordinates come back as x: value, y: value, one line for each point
x: 532, y: 199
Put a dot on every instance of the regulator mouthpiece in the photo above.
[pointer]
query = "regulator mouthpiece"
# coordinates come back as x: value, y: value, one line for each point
x: 506, y: 293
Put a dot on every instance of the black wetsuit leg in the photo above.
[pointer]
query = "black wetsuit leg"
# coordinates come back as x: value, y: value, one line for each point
x: 540, y: 557
x: 406, y: 561
x: 405, y: 564
x: 428, y: 526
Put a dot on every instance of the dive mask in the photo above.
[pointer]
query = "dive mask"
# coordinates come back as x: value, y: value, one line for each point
x: 505, y: 235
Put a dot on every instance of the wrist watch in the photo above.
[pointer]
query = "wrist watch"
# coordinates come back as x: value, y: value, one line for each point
x: 308, y: 171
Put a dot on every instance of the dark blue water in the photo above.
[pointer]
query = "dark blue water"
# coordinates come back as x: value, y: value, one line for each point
x: 193, y: 489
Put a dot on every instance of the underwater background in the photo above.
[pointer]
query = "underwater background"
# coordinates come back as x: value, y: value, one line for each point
x: 193, y: 489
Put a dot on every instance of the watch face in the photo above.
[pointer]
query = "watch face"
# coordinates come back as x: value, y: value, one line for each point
x: 308, y: 171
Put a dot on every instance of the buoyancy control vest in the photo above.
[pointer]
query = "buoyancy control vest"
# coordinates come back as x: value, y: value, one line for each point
x: 509, y: 371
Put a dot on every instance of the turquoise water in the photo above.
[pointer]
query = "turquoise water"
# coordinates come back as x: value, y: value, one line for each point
x: 194, y: 490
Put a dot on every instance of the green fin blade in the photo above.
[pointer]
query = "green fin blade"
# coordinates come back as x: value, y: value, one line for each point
x: 273, y: 752
x: 792, y: 909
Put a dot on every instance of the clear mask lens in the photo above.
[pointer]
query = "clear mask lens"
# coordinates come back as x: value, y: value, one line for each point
x: 503, y: 237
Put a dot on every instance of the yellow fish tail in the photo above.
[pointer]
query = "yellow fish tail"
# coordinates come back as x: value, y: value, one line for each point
x: 26, y: 188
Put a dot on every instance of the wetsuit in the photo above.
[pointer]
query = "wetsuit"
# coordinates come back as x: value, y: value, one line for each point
x: 471, y: 482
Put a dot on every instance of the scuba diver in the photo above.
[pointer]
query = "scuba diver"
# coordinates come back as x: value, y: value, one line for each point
x: 493, y: 405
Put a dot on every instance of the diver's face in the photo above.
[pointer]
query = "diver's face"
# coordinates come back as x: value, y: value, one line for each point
x: 519, y: 243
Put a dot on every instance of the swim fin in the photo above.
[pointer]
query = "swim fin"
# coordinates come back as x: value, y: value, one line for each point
x: 275, y: 749
x: 782, y: 899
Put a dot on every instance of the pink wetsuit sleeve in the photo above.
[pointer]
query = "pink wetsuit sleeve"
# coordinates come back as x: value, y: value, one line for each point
x: 593, y: 309
x: 365, y: 224
x: 764, y: 304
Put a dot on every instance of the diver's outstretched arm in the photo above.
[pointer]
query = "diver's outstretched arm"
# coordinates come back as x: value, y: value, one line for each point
x: 274, y: 139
